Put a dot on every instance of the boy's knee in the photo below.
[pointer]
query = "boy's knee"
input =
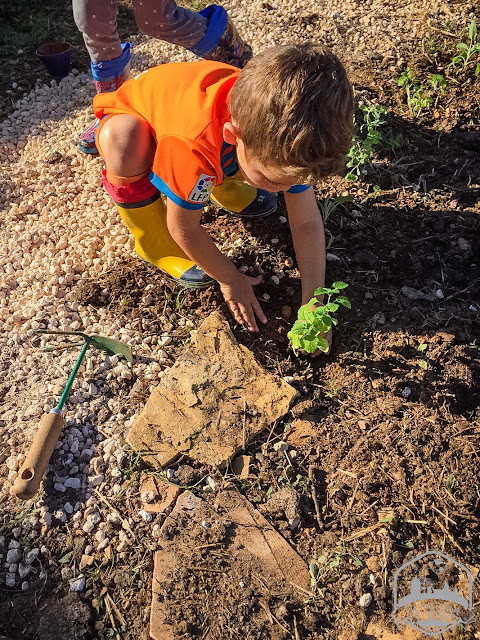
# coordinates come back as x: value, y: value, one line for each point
x: 127, y: 145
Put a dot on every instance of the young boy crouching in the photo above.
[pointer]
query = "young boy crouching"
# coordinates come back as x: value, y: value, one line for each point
x: 198, y: 130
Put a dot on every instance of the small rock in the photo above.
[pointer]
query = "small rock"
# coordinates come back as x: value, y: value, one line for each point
x: 73, y: 483
x: 14, y: 556
x: 115, y: 473
x: 13, y: 568
x: 68, y: 507
x: 94, y: 517
x: 406, y: 392
x: 211, y: 485
x: 86, y: 561
x: 266, y: 296
x: 103, y: 545
x: 96, y: 481
x: 289, y: 262
x: 88, y: 527
x: 331, y: 257
x: 17, y: 532
x: 10, y: 580
x: 439, y: 294
x: 25, y: 586
x: 67, y: 573
x: 58, y: 486
x: 100, y: 536
x: 280, y: 446
x: 148, y: 497
x: 145, y: 515
x: 32, y: 555
x: 365, y: 600
x: 363, y: 424
x: 24, y: 570
x: 170, y: 474
x: 205, y: 524
x: 77, y: 584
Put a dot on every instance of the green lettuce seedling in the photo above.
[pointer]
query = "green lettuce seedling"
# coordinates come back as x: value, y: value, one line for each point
x: 306, y: 333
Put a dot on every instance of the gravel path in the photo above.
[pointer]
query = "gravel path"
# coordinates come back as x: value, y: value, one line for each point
x: 59, y: 226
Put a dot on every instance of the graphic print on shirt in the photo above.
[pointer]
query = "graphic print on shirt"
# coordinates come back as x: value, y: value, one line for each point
x: 202, y: 190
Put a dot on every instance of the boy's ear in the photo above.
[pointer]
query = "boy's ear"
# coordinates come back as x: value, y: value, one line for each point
x: 230, y: 133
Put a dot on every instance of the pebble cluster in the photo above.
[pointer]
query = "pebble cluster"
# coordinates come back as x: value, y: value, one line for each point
x: 58, y: 227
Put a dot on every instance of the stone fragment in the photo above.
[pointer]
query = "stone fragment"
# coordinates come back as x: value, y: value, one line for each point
x: 86, y: 561
x: 241, y: 466
x: 202, y: 402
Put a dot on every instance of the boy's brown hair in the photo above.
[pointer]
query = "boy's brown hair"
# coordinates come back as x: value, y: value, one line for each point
x: 294, y: 105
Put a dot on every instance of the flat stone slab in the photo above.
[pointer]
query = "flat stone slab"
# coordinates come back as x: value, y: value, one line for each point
x: 214, y: 400
x: 251, y: 544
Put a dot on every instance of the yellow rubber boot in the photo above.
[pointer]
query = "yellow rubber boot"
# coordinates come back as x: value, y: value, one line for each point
x: 243, y: 200
x: 147, y: 221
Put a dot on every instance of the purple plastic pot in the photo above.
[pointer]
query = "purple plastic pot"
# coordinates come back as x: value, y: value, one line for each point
x: 56, y: 57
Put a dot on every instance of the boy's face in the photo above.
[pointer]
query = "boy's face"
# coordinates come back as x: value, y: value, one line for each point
x: 254, y: 172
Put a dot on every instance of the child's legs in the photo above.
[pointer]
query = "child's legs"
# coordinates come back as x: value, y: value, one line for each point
x: 128, y: 148
x: 97, y: 21
x: 126, y: 144
x: 165, y: 20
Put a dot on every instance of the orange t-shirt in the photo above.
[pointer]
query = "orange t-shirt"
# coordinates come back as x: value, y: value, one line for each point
x: 185, y: 105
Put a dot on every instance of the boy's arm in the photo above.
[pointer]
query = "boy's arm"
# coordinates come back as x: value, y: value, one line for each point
x: 237, y: 289
x: 308, y: 237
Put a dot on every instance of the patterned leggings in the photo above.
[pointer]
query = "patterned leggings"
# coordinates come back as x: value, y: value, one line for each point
x: 163, y: 19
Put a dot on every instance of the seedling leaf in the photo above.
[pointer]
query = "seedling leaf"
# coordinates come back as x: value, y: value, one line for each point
x: 344, y: 301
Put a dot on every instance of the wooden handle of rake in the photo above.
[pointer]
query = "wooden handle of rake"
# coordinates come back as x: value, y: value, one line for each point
x: 31, y: 472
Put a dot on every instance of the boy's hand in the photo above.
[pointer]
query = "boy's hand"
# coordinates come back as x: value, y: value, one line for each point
x: 242, y: 302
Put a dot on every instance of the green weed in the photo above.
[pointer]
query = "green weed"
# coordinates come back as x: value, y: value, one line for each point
x: 418, y: 96
x: 467, y: 53
x: 450, y: 484
x: 362, y: 148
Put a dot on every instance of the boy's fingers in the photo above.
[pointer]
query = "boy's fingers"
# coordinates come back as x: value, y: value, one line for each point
x: 255, y: 281
x: 259, y: 311
x: 236, y: 313
x: 249, y: 317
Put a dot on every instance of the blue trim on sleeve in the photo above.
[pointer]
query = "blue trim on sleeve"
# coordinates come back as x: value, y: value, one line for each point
x: 298, y: 188
x: 217, y: 19
x: 112, y: 68
x: 165, y: 189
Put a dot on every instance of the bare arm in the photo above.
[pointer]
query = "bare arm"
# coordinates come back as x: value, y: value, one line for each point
x: 237, y: 289
x: 308, y: 240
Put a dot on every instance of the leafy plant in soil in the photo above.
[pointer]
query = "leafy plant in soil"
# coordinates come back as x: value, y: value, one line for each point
x: 468, y: 51
x: 362, y: 149
x: 315, y: 319
x: 419, y: 97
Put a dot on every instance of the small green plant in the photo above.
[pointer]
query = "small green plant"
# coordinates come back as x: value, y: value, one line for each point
x: 327, y: 207
x: 467, y: 52
x: 362, y: 148
x: 450, y: 484
x: 315, y: 319
x: 420, y: 97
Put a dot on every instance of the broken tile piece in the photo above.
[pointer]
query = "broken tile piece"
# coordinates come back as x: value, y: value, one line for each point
x: 255, y: 541
x: 215, y: 396
x: 241, y: 466
x: 164, y: 495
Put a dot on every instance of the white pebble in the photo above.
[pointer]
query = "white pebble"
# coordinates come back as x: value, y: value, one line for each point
x: 145, y: 515
x: 365, y: 600
x: 280, y: 446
